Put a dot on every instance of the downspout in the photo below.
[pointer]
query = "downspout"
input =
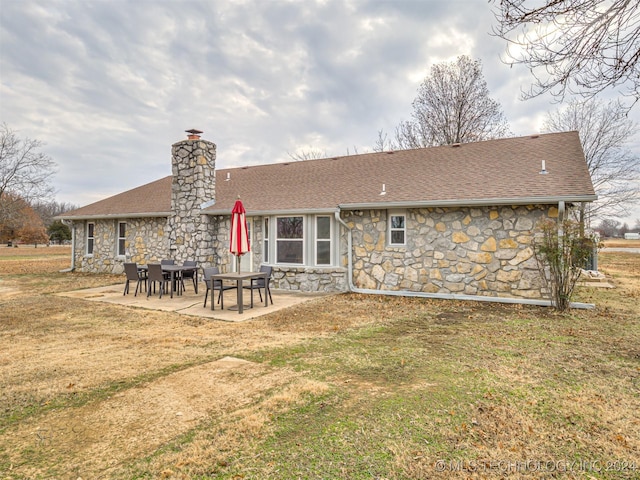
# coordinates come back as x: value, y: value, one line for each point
x: 352, y: 288
x: 438, y: 296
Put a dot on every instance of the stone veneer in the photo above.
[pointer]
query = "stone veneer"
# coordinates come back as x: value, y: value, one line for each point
x: 484, y: 251
x: 310, y: 279
x: 193, y: 168
x: 472, y: 251
x: 146, y: 241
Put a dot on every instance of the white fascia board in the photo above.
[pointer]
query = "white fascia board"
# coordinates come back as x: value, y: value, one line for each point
x: 250, y: 213
x: 484, y: 202
x: 112, y: 215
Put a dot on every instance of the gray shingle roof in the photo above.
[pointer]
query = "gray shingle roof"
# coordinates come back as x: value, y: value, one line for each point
x: 495, y: 171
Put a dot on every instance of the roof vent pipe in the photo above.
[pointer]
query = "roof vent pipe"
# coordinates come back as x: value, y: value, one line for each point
x: 544, y: 168
x: 384, y: 189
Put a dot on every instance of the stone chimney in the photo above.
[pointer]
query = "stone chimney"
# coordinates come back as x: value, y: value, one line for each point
x: 193, y: 163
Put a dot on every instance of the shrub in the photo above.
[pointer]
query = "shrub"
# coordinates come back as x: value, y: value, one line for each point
x: 561, y: 252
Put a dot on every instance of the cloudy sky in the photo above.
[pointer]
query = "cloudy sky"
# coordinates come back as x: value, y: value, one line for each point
x: 109, y: 85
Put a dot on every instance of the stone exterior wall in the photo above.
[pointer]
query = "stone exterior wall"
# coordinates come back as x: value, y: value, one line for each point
x: 310, y: 279
x: 193, y: 167
x: 146, y: 241
x: 471, y: 251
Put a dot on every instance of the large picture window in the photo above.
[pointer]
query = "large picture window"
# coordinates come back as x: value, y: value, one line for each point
x: 122, y: 237
x: 323, y: 240
x: 397, y: 229
x: 290, y: 240
x: 90, y: 237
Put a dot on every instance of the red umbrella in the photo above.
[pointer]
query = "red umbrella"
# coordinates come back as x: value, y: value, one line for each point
x: 239, y: 238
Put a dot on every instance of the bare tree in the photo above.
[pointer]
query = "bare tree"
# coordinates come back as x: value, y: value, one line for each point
x: 605, y: 131
x: 311, y: 154
x: 608, y: 227
x: 25, y: 173
x: 452, y: 106
x: 48, y: 210
x: 573, y: 46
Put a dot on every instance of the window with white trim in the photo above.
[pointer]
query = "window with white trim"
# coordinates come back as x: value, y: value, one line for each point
x: 397, y: 229
x: 122, y: 237
x: 265, y: 241
x: 290, y: 240
x: 90, y: 237
x: 323, y: 240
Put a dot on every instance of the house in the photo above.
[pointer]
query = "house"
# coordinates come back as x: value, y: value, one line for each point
x: 454, y: 221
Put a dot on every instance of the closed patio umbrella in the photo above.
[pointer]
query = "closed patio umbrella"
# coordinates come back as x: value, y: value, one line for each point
x: 239, y: 238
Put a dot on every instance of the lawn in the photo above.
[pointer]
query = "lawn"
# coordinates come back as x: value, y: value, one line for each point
x: 347, y: 386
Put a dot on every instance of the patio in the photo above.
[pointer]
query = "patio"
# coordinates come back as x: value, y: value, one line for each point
x: 190, y: 303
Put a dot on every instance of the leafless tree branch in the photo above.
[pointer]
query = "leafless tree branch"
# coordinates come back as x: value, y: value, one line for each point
x: 605, y: 131
x: 573, y: 46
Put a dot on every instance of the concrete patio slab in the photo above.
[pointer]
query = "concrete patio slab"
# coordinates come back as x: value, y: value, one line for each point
x: 191, y: 303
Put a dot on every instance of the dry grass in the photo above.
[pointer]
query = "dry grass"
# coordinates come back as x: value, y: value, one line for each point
x: 621, y: 243
x: 348, y: 386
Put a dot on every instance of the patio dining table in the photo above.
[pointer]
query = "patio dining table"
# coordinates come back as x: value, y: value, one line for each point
x: 239, y: 277
x: 176, y: 269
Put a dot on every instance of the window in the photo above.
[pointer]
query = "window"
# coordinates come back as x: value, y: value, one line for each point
x: 265, y: 236
x: 323, y: 240
x: 290, y: 240
x: 90, y: 238
x: 122, y: 236
x: 397, y: 229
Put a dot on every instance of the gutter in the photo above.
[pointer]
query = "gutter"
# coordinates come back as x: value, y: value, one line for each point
x: 484, y: 202
x: 438, y: 296
x: 108, y: 216
x: 289, y: 211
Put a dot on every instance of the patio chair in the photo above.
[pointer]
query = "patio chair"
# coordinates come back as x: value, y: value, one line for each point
x: 260, y: 283
x: 213, y: 286
x: 190, y: 274
x: 157, y: 275
x: 134, y: 275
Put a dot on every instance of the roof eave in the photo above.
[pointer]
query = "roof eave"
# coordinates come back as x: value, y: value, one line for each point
x: 108, y: 216
x: 480, y: 202
x: 299, y: 211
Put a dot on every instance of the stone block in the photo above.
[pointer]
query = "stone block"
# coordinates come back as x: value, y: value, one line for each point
x: 505, y: 254
x: 524, y: 223
x: 459, y: 237
x: 523, y: 255
x: 484, y: 257
x: 512, y: 276
x: 454, y: 287
x: 508, y: 243
x: 489, y: 245
x: 378, y: 273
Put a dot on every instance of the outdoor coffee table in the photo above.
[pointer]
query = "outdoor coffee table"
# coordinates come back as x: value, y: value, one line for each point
x: 239, y: 277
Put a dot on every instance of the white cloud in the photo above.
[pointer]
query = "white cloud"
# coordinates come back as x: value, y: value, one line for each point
x: 110, y: 85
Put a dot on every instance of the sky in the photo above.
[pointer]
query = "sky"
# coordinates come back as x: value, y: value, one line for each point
x: 109, y: 85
